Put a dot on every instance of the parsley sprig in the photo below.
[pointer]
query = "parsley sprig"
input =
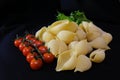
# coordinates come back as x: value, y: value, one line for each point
x: 75, y: 16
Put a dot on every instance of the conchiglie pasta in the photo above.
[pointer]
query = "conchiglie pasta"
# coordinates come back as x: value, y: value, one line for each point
x: 83, y: 63
x: 80, y: 34
x: 66, y: 36
x: 56, y: 47
x: 53, y: 46
x: 107, y: 37
x: 92, y: 31
x: 60, y: 25
x: 75, y: 46
x: 47, y: 36
x: 66, y: 61
x: 97, y: 56
x: 82, y: 47
x: 40, y: 32
x: 99, y: 43
x: 72, y: 44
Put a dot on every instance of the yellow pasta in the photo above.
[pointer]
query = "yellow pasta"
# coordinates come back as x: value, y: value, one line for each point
x: 82, y: 47
x: 71, y: 43
x: 91, y: 30
x: 66, y: 61
x: 60, y: 25
x: 56, y: 46
x: 83, y: 63
x: 80, y: 34
x: 107, y: 37
x: 99, y: 43
x: 40, y: 32
x: 97, y: 56
x: 66, y: 36
x: 47, y: 36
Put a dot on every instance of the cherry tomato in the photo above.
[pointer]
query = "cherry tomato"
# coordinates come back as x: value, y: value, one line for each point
x: 43, y: 49
x: 36, y: 64
x: 18, y: 41
x: 33, y: 40
x: 48, y: 57
x: 22, y: 46
x: 30, y: 56
x: 29, y: 36
x: 38, y: 43
x: 27, y: 50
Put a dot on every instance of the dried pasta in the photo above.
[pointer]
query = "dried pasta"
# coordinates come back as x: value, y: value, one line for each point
x: 66, y: 36
x: 60, y: 25
x: 83, y: 63
x: 97, y: 56
x: 56, y: 46
x: 82, y: 47
x: 75, y: 46
x: 66, y: 61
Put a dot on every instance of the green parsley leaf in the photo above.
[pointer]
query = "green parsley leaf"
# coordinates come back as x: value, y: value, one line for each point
x: 75, y: 16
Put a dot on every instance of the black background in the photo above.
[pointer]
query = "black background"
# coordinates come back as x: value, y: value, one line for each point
x: 17, y: 16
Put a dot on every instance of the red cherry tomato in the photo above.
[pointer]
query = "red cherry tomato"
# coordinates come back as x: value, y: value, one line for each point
x: 36, y: 64
x: 22, y: 46
x: 27, y: 50
x: 29, y: 36
x: 30, y: 56
x: 38, y: 43
x: 43, y: 49
x: 33, y: 40
x: 48, y: 57
x: 18, y: 41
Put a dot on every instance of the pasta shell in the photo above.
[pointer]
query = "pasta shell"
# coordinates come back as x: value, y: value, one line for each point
x: 80, y: 34
x: 56, y: 47
x: 60, y: 25
x: 75, y: 38
x: 82, y: 47
x: 62, y: 47
x: 99, y: 43
x: 72, y: 44
x: 66, y: 36
x: 97, y: 56
x: 66, y: 61
x: 47, y: 36
x: 40, y: 32
x: 107, y: 37
x: 91, y: 30
x: 83, y: 63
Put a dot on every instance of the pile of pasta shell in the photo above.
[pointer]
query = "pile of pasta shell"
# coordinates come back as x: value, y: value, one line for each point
x: 75, y: 46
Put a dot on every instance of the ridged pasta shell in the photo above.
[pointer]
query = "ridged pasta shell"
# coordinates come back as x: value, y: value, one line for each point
x: 72, y: 44
x: 107, y: 37
x: 83, y: 63
x: 66, y: 36
x: 40, y: 32
x: 99, y: 43
x: 66, y: 61
x: 91, y: 30
x: 80, y: 34
x: 82, y: 47
x: 97, y: 56
x: 47, y: 36
x: 56, y: 47
x: 60, y: 25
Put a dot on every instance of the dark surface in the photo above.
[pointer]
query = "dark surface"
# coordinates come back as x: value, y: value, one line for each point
x: 13, y: 65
